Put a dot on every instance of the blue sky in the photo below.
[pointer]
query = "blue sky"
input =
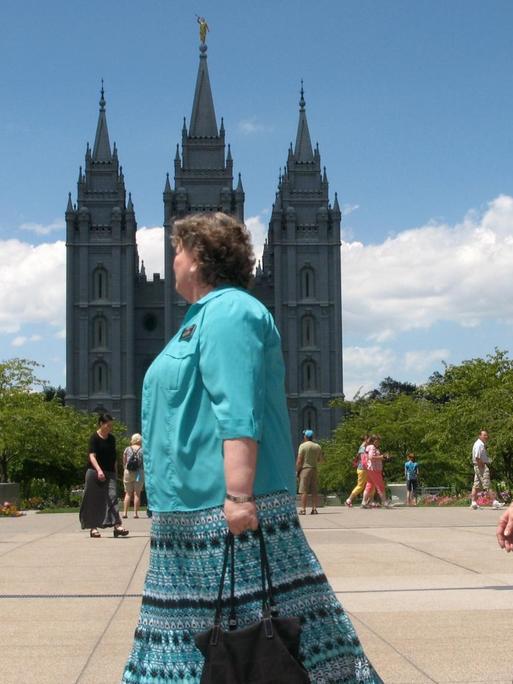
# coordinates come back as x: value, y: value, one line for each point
x: 411, y: 103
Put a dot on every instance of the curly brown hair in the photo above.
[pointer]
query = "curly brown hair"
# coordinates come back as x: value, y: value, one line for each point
x: 221, y: 245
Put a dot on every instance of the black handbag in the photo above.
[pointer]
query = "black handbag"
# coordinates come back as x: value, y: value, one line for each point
x: 266, y: 652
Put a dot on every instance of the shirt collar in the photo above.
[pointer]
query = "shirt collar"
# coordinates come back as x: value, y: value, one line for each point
x: 216, y: 292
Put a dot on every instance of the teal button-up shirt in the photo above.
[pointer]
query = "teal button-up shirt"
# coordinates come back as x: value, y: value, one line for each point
x: 220, y: 377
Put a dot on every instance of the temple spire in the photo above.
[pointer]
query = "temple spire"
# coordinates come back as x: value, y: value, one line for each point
x: 69, y: 208
x: 303, y: 150
x: 203, y: 117
x: 336, y: 206
x: 167, y: 187
x: 101, y: 149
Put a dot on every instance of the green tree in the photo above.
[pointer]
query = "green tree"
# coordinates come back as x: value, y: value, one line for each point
x: 438, y: 422
x: 474, y: 395
x: 39, y: 436
x: 400, y: 421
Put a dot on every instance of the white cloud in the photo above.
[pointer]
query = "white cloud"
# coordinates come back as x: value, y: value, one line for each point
x: 363, y: 366
x: 21, y: 340
x: 18, y: 341
x: 32, y: 284
x: 258, y: 230
x: 349, y: 209
x: 432, y: 274
x: 251, y: 126
x: 41, y: 229
x: 422, y: 360
x: 150, y: 245
x: 61, y: 335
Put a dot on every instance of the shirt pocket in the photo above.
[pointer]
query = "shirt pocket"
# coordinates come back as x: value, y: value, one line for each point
x: 181, y: 360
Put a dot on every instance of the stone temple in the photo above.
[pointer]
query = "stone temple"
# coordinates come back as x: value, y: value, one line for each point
x: 118, y: 319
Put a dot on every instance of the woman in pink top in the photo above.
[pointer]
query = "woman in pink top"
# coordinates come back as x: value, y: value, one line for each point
x: 374, y: 472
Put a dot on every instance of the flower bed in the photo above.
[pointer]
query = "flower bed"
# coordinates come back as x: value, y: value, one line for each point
x: 444, y: 500
x: 9, y: 510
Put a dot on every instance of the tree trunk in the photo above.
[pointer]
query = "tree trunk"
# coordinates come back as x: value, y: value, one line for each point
x: 3, y: 466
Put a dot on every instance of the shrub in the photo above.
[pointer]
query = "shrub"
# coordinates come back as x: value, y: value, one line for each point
x: 34, y: 503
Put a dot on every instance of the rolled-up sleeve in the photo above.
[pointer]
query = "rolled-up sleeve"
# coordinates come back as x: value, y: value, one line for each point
x: 232, y: 366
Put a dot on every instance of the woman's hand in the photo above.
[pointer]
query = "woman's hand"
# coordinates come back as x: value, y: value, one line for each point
x: 505, y: 530
x: 101, y: 475
x: 241, y: 517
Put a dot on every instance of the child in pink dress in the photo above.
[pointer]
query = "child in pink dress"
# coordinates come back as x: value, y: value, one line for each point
x: 374, y: 472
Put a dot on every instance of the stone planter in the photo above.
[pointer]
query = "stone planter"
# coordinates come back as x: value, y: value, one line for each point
x: 397, y: 492
x: 333, y: 500
x: 10, y: 491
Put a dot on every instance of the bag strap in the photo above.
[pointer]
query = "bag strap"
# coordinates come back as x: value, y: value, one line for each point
x: 266, y: 576
x: 269, y: 608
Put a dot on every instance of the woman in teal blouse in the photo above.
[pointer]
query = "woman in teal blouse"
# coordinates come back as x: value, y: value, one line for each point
x: 218, y: 455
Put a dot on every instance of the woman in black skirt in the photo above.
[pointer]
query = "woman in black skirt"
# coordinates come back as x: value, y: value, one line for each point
x: 100, y: 502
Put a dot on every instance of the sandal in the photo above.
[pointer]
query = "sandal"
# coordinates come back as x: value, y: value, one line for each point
x: 94, y: 533
x: 302, y: 511
x: 314, y: 511
x: 120, y: 532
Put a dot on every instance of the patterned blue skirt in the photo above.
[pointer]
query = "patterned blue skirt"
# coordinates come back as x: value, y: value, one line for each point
x: 181, y: 590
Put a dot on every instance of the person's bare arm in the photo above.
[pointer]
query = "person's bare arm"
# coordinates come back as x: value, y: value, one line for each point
x: 240, y: 456
x: 299, y: 462
x: 505, y: 530
x: 96, y: 466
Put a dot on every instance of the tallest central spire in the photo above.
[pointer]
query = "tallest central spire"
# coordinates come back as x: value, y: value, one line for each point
x: 303, y: 150
x: 203, y: 117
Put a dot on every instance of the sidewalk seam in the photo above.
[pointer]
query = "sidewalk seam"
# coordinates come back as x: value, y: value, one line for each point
x: 402, y: 655
x: 111, y: 619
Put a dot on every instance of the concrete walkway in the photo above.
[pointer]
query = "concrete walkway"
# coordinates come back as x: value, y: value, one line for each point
x: 428, y: 590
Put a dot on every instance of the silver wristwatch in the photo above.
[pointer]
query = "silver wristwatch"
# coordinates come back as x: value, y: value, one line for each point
x: 240, y: 499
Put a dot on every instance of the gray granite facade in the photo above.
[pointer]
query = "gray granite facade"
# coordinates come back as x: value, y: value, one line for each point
x: 118, y: 319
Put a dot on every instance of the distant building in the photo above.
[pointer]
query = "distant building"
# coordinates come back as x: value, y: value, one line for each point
x: 118, y: 320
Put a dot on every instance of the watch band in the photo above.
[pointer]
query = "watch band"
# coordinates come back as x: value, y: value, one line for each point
x: 240, y: 499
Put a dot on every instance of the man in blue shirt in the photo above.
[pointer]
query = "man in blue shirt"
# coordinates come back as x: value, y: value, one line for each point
x: 411, y: 473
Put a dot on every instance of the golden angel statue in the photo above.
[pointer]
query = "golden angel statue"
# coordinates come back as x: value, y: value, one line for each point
x: 203, y: 28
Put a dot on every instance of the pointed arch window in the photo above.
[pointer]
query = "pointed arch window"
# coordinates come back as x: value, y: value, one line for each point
x: 309, y: 376
x: 100, y: 378
x: 308, y: 331
x: 101, y: 283
x: 307, y: 282
x: 310, y: 419
x: 100, y: 332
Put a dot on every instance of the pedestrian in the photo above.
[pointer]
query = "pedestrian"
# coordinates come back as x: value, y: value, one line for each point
x: 481, y: 463
x: 218, y: 456
x: 308, y: 458
x: 374, y: 472
x: 411, y: 473
x: 99, y: 508
x: 361, y: 471
x: 133, y: 474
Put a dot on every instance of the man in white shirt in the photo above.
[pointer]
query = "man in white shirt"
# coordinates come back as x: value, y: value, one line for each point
x: 480, y: 461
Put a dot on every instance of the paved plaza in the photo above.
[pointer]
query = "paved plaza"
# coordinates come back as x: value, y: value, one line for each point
x: 428, y: 590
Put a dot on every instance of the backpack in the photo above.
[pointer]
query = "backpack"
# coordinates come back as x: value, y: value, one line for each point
x: 133, y: 461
